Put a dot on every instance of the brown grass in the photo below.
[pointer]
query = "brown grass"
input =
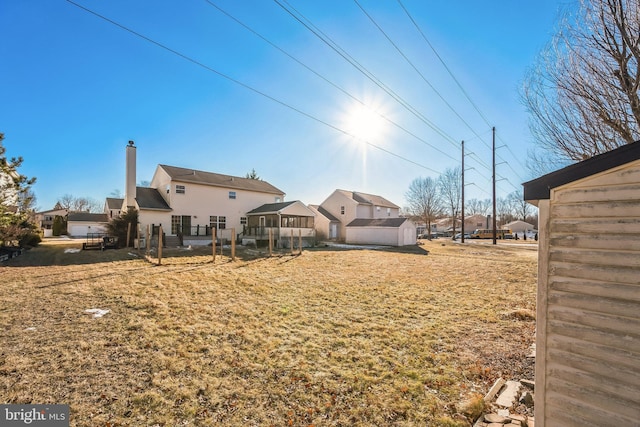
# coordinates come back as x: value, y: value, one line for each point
x: 328, y: 338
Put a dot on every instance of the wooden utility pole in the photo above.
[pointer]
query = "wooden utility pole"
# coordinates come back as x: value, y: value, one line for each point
x: 493, y: 151
x: 462, y: 189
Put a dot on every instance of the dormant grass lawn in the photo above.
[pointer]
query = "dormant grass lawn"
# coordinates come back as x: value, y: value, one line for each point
x: 327, y: 338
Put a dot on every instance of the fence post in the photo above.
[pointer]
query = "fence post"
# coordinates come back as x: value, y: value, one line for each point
x: 291, y: 242
x: 160, y: 245
x: 270, y: 242
x: 138, y: 238
x: 300, y: 241
x: 148, y: 239
x: 128, y: 233
x: 233, y: 244
x: 213, y: 239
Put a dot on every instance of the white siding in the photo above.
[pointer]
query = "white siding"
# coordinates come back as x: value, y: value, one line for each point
x: 588, y: 361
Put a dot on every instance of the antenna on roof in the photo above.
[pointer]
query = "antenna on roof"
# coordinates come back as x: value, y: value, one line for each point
x: 130, y: 143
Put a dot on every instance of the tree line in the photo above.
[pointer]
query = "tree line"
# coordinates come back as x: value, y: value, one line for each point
x: 430, y: 199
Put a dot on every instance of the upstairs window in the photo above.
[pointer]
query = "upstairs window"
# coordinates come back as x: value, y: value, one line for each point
x: 180, y: 189
x: 388, y: 211
x: 232, y: 194
x: 243, y: 220
x: 341, y: 210
x: 278, y: 200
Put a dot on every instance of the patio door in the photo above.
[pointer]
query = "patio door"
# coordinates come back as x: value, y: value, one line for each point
x: 186, y: 225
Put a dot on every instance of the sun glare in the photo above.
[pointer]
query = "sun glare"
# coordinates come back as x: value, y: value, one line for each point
x: 365, y: 124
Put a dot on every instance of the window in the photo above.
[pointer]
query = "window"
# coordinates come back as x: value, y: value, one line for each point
x: 243, y: 220
x: 278, y: 199
x: 378, y: 208
x: 219, y: 222
x: 341, y: 210
x: 180, y: 189
x: 232, y: 194
x: 388, y: 211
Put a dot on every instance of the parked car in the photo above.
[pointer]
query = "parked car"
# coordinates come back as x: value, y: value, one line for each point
x: 459, y: 236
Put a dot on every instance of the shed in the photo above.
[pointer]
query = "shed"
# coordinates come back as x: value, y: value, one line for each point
x: 588, y: 300
x: 79, y: 224
x: 381, y: 231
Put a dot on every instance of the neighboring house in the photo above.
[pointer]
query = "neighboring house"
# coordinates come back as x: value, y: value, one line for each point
x: 474, y: 222
x: 519, y: 227
x: 45, y: 219
x: 113, y: 207
x: 79, y: 224
x: 588, y: 301
x: 326, y: 224
x: 284, y: 220
x: 350, y: 208
x: 190, y: 202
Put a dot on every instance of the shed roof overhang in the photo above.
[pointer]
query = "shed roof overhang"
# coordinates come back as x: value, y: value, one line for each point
x: 540, y: 188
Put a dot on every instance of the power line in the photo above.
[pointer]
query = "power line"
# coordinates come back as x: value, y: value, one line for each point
x: 422, y: 76
x: 462, y: 89
x: 244, y: 85
x: 341, y: 52
x: 345, y: 92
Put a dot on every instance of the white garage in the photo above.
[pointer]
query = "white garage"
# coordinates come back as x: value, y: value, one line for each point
x: 386, y: 231
x: 79, y: 224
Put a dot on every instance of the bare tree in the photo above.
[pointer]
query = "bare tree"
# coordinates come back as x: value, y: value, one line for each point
x: 450, y: 186
x: 504, y: 210
x: 424, y: 201
x: 477, y: 207
x: 79, y: 204
x: 520, y: 208
x: 582, y: 95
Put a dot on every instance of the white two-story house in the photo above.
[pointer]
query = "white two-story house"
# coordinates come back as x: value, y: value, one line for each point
x: 190, y: 202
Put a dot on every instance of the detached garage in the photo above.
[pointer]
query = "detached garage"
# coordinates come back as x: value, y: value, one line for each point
x: 387, y: 231
x: 79, y: 224
x: 588, y: 302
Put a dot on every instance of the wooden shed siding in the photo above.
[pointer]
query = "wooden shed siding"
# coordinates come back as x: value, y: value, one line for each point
x: 592, y: 302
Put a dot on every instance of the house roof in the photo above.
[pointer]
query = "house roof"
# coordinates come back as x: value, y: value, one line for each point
x: 322, y: 211
x: 270, y: 208
x: 540, y: 188
x: 379, y: 222
x: 113, y: 203
x: 369, y: 199
x: 61, y: 210
x: 87, y: 217
x: 150, y: 198
x: 219, y: 180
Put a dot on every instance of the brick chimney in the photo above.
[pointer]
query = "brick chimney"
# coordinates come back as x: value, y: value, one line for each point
x: 130, y: 177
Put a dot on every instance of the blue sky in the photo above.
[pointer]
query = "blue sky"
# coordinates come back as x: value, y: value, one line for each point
x: 75, y: 88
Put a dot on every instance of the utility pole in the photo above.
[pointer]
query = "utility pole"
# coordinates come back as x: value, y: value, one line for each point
x: 493, y: 152
x: 462, y: 226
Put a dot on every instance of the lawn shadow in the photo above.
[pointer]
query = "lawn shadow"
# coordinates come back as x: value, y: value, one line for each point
x: 70, y: 253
